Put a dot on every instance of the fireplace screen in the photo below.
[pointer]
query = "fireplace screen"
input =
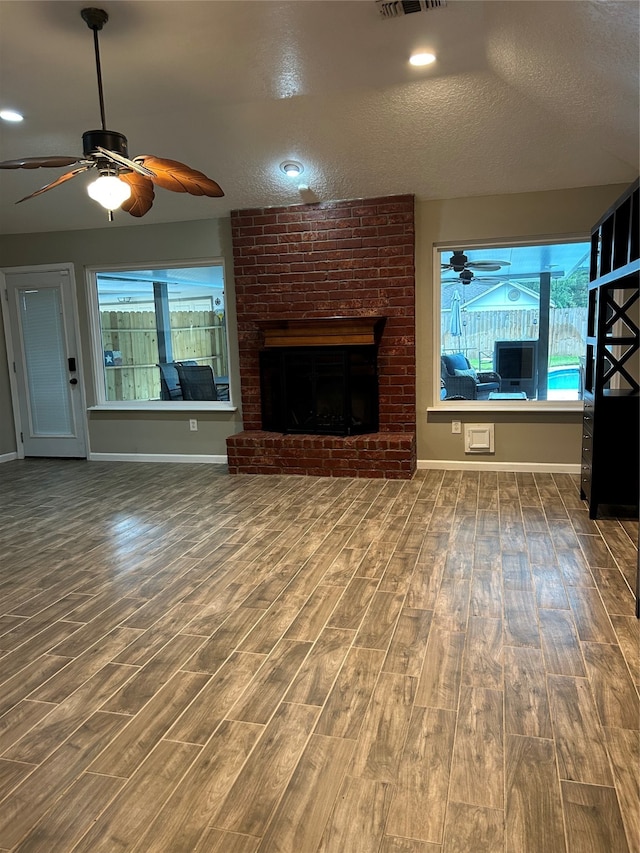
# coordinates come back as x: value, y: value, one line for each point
x: 319, y: 390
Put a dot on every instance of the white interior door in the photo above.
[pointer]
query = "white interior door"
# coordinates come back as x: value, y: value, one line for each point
x: 42, y: 349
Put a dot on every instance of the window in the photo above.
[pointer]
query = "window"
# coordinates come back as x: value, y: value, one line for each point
x: 160, y: 335
x: 513, y: 322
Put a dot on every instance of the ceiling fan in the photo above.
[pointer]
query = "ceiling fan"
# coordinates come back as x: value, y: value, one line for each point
x: 124, y: 183
x: 466, y: 276
x: 458, y: 262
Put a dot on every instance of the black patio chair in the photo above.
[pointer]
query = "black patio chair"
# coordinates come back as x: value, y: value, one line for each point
x: 197, y: 381
x: 170, y: 388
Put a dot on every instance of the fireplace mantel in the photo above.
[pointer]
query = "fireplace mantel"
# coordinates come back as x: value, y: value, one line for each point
x: 322, y: 331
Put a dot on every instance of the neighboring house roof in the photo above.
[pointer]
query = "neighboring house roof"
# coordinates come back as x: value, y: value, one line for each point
x: 476, y: 295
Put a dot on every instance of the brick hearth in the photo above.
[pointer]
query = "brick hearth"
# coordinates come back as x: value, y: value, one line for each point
x: 349, y: 259
x: 389, y: 454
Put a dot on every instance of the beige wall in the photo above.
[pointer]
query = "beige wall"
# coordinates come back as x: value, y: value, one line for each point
x: 542, y: 438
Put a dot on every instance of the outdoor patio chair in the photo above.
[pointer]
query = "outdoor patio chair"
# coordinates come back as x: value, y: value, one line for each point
x: 461, y: 380
x: 170, y: 388
x: 197, y: 381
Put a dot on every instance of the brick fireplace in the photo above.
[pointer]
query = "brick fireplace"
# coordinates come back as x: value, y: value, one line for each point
x: 347, y: 259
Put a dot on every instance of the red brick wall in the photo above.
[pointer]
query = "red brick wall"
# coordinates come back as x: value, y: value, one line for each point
x: 346, y: 258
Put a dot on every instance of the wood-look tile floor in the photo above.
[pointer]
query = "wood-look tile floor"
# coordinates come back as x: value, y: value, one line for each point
x: 198, y: 663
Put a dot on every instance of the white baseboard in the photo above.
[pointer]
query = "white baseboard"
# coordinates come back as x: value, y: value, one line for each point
x: 524, y: 467
x: 423, y: 464
x: 158, y: 457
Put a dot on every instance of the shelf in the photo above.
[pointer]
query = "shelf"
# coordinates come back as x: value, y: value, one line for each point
x: 616, y: 277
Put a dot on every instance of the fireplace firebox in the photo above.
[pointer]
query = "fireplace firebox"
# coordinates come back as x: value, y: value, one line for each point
x: 319, y: 390
x: 320, y: 377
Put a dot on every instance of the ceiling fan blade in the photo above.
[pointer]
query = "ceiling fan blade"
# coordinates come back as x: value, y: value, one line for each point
x: 39, y: 162
x: 179, y: 178
x: 61, y: 180
x: 124, y: 161
x: 488, y: 265
x: 482, y: 265
x: 142, y: 194
x: 476, y: 279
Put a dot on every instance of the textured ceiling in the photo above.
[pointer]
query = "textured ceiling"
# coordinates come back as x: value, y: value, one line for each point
x: 524, y: 96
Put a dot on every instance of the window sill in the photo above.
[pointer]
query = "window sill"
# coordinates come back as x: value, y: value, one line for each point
x: 162, y: 406
x: 528, y: 406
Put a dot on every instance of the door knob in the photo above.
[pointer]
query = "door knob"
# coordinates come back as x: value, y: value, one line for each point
x: 73, y: 381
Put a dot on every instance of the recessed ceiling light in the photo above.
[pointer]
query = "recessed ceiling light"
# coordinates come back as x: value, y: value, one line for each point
x: 422, y: 58
x: 292, y: 168
x: 10, y: 115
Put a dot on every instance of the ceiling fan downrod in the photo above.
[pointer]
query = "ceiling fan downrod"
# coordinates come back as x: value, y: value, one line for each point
x: 93, y: 140
x: 95, y: 20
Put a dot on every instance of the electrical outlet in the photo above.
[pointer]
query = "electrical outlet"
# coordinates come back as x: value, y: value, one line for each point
x: 193, y: 425
x: 456, y: 427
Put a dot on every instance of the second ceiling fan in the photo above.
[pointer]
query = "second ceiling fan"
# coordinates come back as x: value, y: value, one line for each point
x: 459, y: 262
x: 122, y: 183
x: 467, y: 276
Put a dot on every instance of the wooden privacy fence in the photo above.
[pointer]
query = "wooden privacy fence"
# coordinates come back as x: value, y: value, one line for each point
x: 567, y: 330
x: 131, y: 338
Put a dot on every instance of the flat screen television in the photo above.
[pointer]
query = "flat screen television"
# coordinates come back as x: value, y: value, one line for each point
x: 517, y: 364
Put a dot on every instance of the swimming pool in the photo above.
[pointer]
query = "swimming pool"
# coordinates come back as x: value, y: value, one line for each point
x: 564, y: 379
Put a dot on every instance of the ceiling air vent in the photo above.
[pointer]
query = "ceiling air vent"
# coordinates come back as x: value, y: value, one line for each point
x: 395, y: 8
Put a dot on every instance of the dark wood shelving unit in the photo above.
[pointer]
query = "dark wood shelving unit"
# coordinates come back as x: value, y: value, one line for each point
x: 610, y: 439
x: 612, y: 377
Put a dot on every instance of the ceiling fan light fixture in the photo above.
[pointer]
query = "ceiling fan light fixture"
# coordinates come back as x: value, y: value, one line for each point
x: 292, y: 168
x: 11, y: 115
x: 109, y: 191
x: 422, y: 58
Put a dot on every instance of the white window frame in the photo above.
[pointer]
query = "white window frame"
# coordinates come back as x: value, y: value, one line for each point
x: 528, y: 406
x: 97, y: 358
